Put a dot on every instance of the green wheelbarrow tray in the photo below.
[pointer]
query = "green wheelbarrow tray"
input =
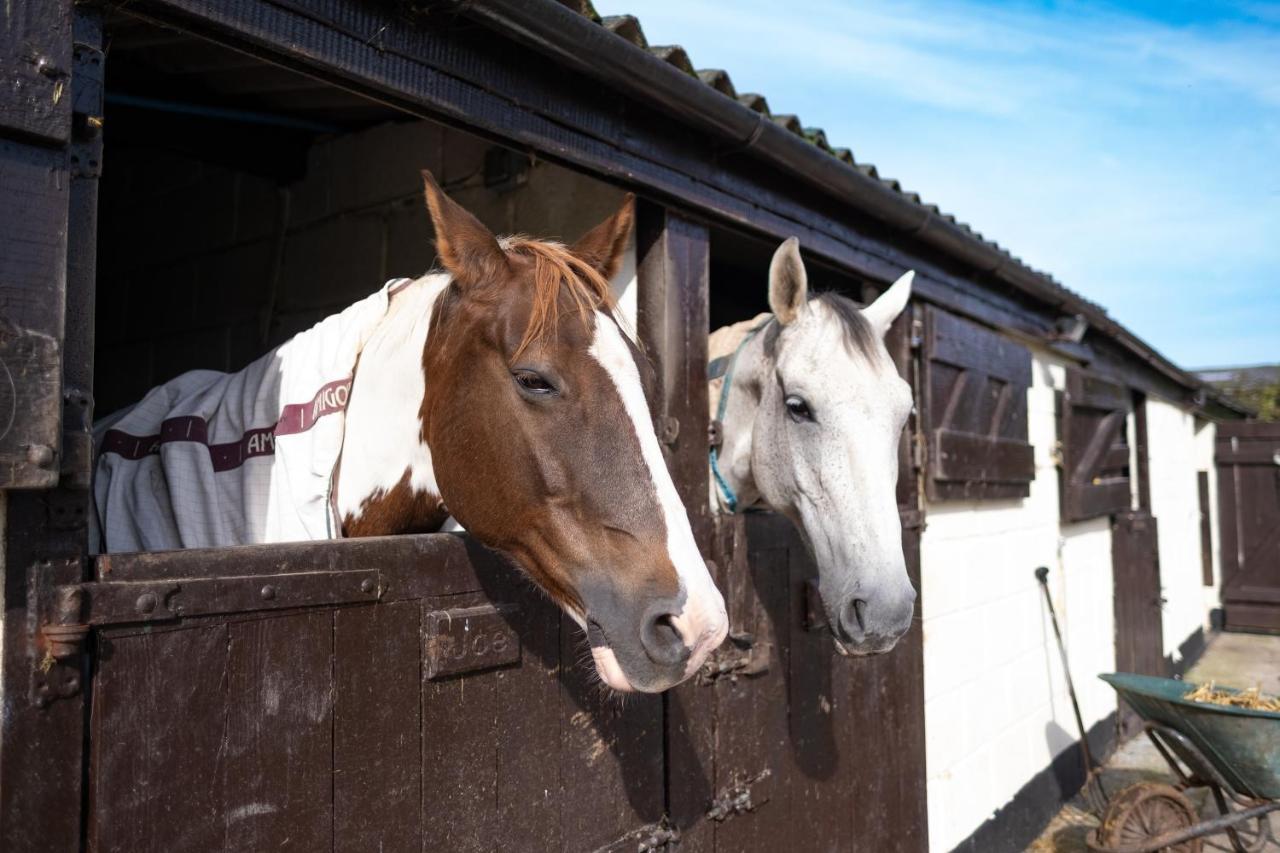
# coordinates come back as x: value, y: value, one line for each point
x: 1243, y: 745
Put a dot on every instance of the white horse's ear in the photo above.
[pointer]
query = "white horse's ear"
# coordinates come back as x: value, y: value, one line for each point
x: 788, y: 282
x: 881, y: 313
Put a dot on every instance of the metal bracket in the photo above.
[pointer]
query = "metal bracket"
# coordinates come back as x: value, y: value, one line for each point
x: 715, y: 433
x: 668, y: 429
x: 737, y: 798
x: 741, y: 655
x: 57, y: 631
x: 124, y: 602
x: 644, y: 839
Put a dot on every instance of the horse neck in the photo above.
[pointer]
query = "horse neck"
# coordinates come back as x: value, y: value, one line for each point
x: 384, y: 454
x: 738, y: 421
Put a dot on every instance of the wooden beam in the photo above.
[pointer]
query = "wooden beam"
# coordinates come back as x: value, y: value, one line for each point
x: 673, y: 304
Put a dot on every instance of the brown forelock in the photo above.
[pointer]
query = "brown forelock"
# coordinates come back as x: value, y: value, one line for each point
x: 559, y: 483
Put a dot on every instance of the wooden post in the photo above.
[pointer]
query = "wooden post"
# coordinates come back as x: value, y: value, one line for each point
x: 47, y: 252
x: 673, y: 277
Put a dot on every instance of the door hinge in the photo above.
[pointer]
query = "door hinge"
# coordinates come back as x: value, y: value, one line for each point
x: 57, y: 630
x: 737, y: 798
x: 740, y: 655
x: 917, y: 333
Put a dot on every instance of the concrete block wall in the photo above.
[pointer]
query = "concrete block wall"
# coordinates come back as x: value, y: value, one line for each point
x: 1206, y: 435
x: 206, y: 267
x: 1178, y: 447
x: 996, y: 705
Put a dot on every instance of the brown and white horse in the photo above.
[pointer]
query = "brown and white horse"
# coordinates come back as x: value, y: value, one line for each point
x: 505, y: 390
x: 501, y: 391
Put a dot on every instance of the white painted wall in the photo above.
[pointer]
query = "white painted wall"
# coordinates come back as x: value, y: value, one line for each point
x: 1177, y: 450
x: 996, y: 703
x: 1206, y: 435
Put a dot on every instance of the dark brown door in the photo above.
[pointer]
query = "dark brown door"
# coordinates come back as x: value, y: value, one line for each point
x: 1135, y: 563
x: 405, y: 694
x: 1248, y: 460
x: 790, y: 746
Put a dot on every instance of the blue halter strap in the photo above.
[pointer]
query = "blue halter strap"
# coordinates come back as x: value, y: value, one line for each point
x: 718, y: 367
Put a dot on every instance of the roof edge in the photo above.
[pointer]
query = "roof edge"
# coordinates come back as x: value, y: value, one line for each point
x: 580, y: 43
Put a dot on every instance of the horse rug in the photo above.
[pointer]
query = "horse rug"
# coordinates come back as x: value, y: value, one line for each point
x: 212, y: 459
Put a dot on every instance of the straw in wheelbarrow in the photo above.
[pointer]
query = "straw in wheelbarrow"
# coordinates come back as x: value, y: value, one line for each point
x: 1253, y: 698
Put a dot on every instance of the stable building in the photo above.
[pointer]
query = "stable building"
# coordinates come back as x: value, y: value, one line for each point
x: 190, y: 184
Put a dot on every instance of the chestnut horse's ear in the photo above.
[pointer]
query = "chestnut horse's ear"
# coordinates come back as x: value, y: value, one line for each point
x: 467, y: 249
x: 602, y: 246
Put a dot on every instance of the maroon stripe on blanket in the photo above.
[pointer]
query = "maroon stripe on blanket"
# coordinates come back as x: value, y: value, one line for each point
x: 261, y: 441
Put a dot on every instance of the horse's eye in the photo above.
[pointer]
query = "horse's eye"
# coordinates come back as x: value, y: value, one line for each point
x: 798, y: 409
x: 532, y: 382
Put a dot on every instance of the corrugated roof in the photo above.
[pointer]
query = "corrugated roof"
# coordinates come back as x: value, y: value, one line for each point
x: 629, y: 28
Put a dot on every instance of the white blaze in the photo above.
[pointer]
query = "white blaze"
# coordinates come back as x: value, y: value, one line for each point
x: 702, y: 622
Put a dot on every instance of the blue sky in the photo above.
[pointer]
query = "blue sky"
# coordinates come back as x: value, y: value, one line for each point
x: 1132, y: 150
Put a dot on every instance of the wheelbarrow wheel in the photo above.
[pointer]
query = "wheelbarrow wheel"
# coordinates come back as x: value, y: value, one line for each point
x: 1145, y: 811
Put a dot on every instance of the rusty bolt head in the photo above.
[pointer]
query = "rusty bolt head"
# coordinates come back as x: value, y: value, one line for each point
x: 40, y: 455
x: 268, y: 593
x: 670, y: 430
x: 366, y: 585
x: 146, y: 602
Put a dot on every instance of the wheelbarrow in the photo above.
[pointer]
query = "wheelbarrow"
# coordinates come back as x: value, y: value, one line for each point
x: 1234, y: 752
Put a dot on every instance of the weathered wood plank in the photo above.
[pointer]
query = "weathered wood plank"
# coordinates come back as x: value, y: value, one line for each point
x: 460, y: 738
x: 673, y: 275
x: 33, y: 270
x: 611, y: 755
x: 278, y: 789
x: 160, y: 725
x: 880, y: 706
x: 411, y: 567
x: 35, y: 63
x: 377, y: 729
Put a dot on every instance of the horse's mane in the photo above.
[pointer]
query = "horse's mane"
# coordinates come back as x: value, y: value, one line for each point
x: 557, y: 270
x: 859, y: 337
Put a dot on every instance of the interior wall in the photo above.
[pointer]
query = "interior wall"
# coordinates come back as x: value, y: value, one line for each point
x: 207, y: 266
x: 997, y: 709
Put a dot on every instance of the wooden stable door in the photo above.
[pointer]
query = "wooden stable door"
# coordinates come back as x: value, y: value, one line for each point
x: 783, y: 744
x: 1135, y: 562
x: 1248, y: 460
x: 401, y: 694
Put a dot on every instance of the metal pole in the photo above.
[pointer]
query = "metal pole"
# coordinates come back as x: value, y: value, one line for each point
x: 1042, y: 575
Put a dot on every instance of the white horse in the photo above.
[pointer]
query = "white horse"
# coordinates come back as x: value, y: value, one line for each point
x: 811, y: 410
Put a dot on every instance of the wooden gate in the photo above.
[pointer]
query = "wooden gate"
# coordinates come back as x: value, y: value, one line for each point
x: 398, y: 694
x: 783, y: 743
x: 1248, y: 461
x: 1135, y: 561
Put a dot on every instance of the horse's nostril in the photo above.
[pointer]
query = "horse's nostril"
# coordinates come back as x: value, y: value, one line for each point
x: 853, y: 620
x: 662, y: 641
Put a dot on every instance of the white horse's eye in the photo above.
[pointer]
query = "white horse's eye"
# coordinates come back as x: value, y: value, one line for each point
x: 798, y: 409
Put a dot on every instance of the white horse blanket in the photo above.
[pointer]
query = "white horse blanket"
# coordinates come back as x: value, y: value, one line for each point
x: 211, y: 459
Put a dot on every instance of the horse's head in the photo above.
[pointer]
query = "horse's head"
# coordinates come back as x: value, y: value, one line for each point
x: 825, y: 447
x: 544, y: 448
